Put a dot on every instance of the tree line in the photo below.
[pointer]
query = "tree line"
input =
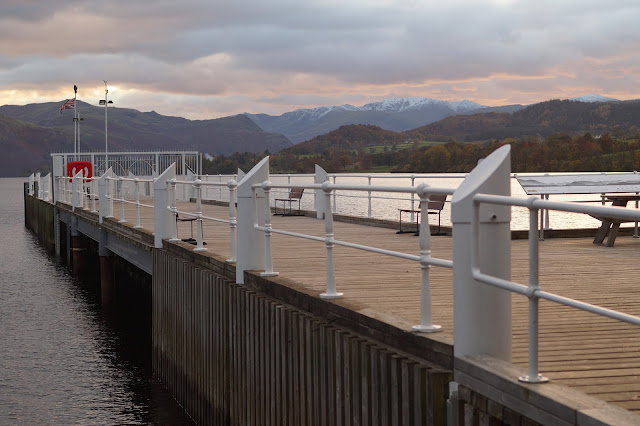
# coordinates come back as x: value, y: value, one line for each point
x: 558, y: 152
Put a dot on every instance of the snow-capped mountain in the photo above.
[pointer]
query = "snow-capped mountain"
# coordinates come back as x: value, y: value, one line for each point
x: 392, y: 114
x: 593, y: 98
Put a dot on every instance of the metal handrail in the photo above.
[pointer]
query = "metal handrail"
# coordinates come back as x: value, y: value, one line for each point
x: 532, y: 290
x: 198, y: 184
x: 424, y: 259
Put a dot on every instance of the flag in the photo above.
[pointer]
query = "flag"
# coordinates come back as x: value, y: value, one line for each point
x: 68, y: 104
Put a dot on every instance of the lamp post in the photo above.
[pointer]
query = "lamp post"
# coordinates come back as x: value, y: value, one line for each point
x: 77, y: 120
x: 106, y: 103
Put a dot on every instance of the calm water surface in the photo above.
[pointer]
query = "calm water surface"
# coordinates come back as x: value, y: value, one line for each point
x: 62, y: 359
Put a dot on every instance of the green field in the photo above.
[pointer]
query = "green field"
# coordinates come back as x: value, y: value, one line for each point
x: 377, y: 149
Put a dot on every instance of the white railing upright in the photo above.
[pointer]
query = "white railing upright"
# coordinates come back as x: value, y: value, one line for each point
x: 162, y: 216
x: 31, y: 181
x: 76, y: 191
x: 319, y: 202
x: 482, y: 314
x: 251, y: 241
x: 105, y: 208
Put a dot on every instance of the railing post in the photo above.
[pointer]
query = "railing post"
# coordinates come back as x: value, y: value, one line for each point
x: 103, y: 191
x: 335, y: 201
x: 233, y: 223
x: 319, y: 204
x: 413, y: 183
x: 93, y: 195
x: 251, y: 242
x: 635, y: 225
x: 173, y: 226
x: 268, y: 259
x: 330, y: 293
x: 482, y: 313
x: 122, y: 219
x: 31, y: 181
x: 426, y: 322
x: 137, y: 190
x: 369, y: 197
x: 39, y: 182
x: 86, y: 193
x: 198, y: 186
x: 47, y: 188
x: 76, y: 189
x: 162, y: 217
x: 532, y: 373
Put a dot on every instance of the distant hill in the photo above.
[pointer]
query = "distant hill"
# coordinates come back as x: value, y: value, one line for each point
x: 347, y: 137
x: 26, y: 147
x: 129, y: 130
x: 541, y: 119
x: 391, y: 114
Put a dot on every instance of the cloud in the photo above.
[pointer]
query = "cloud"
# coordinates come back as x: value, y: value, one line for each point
x: 220, y: 57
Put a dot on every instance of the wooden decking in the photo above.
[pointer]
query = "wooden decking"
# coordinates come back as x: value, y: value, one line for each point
x: 590, y: 353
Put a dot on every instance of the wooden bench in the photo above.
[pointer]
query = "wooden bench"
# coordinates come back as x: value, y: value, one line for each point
x: 434, y: 206
x: 295, y: 194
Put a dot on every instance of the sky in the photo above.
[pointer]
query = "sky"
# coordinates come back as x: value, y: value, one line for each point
x: 203, y: 59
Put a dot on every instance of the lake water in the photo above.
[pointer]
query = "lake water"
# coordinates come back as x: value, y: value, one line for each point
x: 386, y: 205
x: 62, y: 359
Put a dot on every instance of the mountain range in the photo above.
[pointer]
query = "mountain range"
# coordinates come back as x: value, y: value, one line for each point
x: 31, y: 132
x: 391, y: 114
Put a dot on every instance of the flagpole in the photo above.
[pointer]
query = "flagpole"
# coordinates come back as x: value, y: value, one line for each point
x: 75, y: 122
x: 106, y: 138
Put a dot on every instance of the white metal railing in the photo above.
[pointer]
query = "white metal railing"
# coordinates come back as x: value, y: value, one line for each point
x: 251, y: 212
x: 121, y: 194
x: 424, y: 259
x: 532, y: 290
x: 198, y: 185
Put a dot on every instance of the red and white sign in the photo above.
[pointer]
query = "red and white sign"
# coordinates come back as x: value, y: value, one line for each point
x: 75, y: 167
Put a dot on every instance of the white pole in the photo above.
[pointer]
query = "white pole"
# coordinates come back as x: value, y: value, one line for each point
x: 426, y: 323
x: 137, y: 184
x: 75, y: 124
x: 268, y: 269
x: 199, y: 242
x: 369, y: 197
x: 533, y: 376
x: 233, y: 223
x: 330, y: 292
x: 121, y: 182
x: 106, y: 138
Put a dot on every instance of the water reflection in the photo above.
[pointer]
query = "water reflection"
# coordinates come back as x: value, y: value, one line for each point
x: 63, y: 359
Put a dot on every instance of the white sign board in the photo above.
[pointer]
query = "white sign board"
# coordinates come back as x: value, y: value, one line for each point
x: 580, y: 183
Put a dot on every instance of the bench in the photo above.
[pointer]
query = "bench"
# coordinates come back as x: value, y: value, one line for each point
x: 434, y: 206
x: 295, y: 194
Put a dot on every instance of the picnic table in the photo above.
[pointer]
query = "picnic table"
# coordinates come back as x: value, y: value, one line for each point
x: 611, y: 225
x: 584, y: 183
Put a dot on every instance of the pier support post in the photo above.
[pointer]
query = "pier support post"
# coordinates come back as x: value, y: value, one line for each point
x: 107, y: 287
x: 320, y: 176
x: 482, y: 313
x: 77, y: 248
x: 251, y: 242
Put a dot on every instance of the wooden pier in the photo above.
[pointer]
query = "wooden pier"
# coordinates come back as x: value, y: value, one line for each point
x: 595, y: 355
x: 272, y: 352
